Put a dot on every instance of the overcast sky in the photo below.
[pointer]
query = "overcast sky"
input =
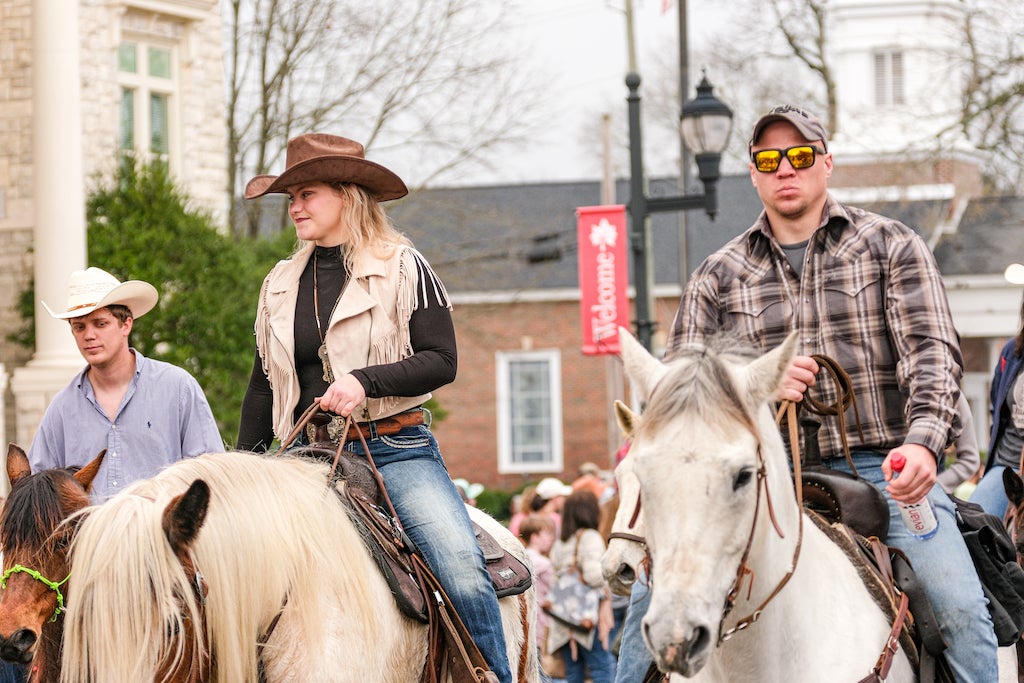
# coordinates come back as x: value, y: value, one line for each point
x: 582, y: 45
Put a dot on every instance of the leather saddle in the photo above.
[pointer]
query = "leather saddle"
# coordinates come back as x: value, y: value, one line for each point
x: 839, y: 496
x: 855, y: 515
x: 391, y: 548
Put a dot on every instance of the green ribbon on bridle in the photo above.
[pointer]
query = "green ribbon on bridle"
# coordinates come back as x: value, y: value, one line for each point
x: 54, y: 586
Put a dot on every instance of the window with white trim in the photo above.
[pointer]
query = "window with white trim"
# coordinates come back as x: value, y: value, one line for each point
x: 889, y: 78
x: 529, y: 411
x: 146, y: 74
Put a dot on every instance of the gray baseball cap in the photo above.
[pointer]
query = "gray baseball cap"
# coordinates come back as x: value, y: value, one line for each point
x: 804, y: 121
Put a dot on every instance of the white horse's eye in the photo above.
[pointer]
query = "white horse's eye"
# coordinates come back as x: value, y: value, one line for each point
x: 743, y: 477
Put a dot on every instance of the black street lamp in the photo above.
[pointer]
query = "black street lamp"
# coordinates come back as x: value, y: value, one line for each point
x: 705, y: 124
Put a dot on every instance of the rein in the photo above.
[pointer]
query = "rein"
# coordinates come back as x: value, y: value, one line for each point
x: 743, y: 570
x: 199, y: 666
x: 52, y: 585
x: 445, y: 626
x: 844, y: 399
x: 788, y: 409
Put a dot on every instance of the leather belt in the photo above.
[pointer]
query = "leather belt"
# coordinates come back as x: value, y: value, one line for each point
x: 321, y: 429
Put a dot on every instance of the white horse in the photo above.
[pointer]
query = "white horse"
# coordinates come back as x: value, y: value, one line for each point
x: 627, y: 546
x: 724, y: 528
x: 278, y: 556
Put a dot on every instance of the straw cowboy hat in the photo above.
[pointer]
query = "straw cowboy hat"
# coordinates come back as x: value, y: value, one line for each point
x: 1014, y: 274
x: 96, y: 288
x: 323, y: 157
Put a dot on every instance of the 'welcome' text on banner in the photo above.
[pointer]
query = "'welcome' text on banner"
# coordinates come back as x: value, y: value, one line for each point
x: 602, y: 236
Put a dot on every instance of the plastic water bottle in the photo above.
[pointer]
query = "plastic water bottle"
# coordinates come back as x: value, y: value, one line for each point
x: 919, y: 517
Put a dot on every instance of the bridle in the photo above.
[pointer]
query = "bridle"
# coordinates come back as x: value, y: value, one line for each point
x: 789, y: 408
x: 199, y: 663
x: 744, y: 570
x: 52, y: 585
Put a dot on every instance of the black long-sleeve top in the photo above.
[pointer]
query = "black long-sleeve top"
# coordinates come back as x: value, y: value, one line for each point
x: 431, y: 331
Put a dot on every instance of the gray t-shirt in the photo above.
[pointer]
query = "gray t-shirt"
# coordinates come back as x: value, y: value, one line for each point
x: 1011, y: 442
x: 795, y: 255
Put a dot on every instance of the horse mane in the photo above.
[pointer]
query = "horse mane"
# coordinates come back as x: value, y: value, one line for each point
x: 285, y: 528
x: 132, y: 584
x: 35, y: 508
x: 698, y: 382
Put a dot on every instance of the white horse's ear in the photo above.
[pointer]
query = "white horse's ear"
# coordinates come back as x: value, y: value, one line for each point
x: 764, y: 376
x: 626, y: 418
x: 642, y: 368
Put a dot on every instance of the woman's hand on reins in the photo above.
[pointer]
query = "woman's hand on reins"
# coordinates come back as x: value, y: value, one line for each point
x: 343, y: 396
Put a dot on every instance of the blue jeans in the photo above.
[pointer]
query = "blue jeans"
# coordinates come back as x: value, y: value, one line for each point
x: 947, y: 574
x: 990, y: 494
x: 634, y: 657
x: 434, y: 517
x: 619, y: 606
x: 597, y: 660
x: 13, y: 673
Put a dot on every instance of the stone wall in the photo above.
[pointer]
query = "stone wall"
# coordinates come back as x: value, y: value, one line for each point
x: 199, y: 151
x: 198, y: 157
x: 15, y: 181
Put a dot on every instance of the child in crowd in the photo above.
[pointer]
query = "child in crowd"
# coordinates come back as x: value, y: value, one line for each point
x: 537, y: 532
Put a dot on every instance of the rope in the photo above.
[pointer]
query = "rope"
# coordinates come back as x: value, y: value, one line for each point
x: 52, y: 585
x: 844, y: 399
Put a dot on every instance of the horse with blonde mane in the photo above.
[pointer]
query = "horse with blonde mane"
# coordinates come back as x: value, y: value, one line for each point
x: 743, y: 589
x: 276, y: 576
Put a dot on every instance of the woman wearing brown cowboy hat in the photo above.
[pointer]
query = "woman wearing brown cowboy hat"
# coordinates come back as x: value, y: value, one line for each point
x: 357, y: 318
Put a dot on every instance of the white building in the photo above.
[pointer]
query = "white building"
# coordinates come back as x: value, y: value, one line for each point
x: 80, y: 83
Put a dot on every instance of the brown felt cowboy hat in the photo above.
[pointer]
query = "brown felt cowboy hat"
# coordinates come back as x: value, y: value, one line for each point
x: 323, y: 157
x: 96, y: 288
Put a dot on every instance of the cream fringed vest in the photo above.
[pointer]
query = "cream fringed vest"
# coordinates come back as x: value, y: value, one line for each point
x: 370, y: 326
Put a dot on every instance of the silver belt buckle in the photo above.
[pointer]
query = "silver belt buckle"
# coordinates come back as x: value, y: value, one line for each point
x: 335, y: 427
x: 334, y: 430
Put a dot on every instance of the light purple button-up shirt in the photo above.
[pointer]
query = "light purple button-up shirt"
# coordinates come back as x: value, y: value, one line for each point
x: 163, y: 417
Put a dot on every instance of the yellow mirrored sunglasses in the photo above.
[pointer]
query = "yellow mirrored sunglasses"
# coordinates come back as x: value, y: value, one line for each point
x: 800, y: 156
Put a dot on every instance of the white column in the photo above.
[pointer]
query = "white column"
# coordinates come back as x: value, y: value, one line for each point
x: 59, y: 206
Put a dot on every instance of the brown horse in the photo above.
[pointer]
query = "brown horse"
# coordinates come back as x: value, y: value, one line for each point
x: 1015, y: 512
x: 1015, y: 525
x: 35, y: 560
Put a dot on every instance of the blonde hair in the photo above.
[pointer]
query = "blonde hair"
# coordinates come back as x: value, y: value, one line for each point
x: 368, y: 225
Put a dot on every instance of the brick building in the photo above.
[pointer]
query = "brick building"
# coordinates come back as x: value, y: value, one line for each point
x: 147, y: 76
x: 508, y: 257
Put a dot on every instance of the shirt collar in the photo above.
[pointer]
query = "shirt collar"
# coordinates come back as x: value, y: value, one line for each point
x: 834, y: 217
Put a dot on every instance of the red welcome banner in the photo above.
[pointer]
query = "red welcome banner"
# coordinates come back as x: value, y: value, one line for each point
x: 604, y: 305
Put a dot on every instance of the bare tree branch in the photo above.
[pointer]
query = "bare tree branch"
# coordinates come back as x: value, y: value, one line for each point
x: 428, y: 78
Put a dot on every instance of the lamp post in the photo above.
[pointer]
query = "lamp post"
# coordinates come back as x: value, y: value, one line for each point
x: 705, y: 123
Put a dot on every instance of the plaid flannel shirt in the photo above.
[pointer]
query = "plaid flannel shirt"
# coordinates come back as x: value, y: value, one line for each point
x: 870, y: 297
